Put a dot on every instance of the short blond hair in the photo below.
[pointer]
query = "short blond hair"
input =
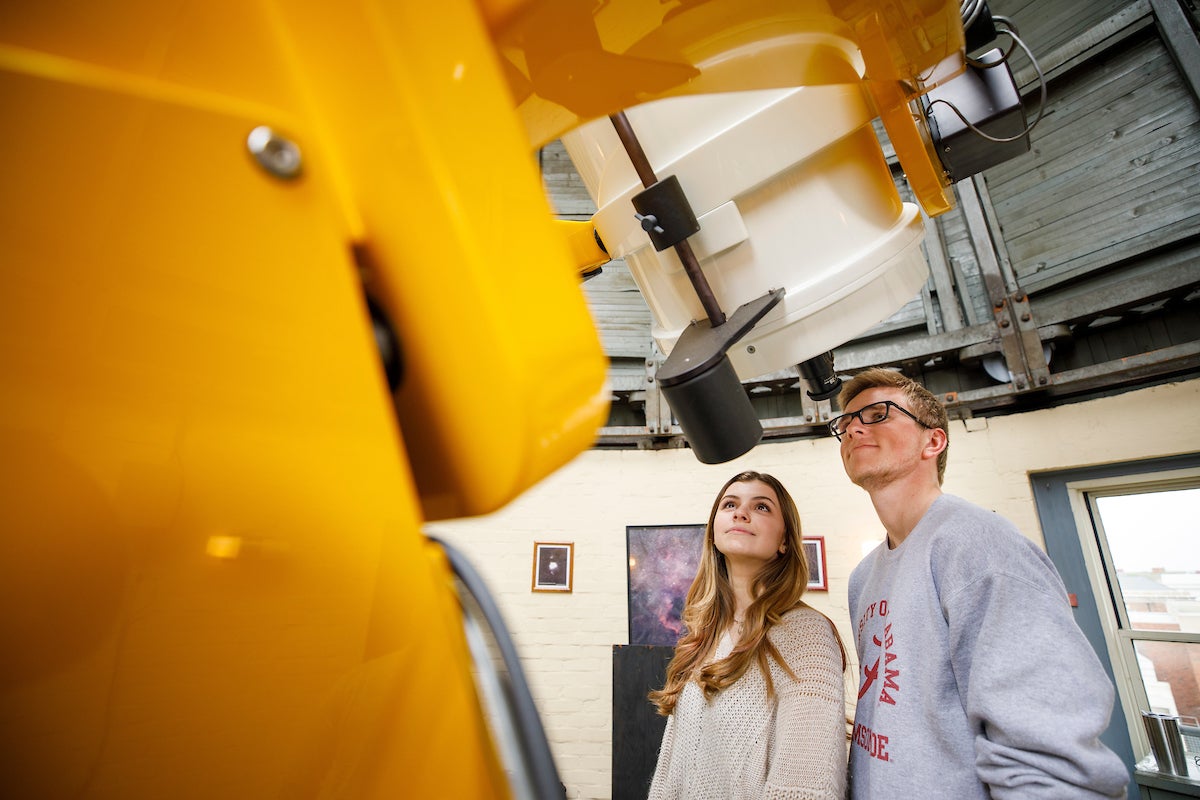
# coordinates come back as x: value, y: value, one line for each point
x: 921, y: 402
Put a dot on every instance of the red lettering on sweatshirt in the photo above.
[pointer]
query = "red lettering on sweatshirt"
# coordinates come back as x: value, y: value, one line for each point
x: 880, y: 608
x: 889, y: 679
x: 874, y: 743
x: 871, y: 671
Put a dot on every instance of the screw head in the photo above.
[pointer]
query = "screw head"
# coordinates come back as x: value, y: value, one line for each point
x: 750, y: 349
x: 274, y: 153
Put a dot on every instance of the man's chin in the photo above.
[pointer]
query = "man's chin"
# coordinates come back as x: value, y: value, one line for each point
x: 865, y: 479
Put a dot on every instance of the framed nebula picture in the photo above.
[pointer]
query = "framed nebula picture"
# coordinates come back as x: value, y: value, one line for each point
x: 814, y: 552
x: 663, y: 560
x: 553, y: 565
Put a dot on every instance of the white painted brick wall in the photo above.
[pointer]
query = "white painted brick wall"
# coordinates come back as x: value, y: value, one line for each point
x: 566, y: 639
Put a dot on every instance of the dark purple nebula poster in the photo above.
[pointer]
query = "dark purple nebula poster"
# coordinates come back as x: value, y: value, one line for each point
x: 663, y: 560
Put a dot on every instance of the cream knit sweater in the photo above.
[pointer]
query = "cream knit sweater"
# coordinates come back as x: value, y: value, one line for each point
x: 742, y: 744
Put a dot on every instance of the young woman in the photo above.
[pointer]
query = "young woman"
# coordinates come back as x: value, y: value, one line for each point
x: 754, y: 694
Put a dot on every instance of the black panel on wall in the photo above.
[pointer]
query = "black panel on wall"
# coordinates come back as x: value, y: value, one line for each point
x: 637, y: 728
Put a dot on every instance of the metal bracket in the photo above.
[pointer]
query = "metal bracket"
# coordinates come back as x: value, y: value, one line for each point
x: 1020, y: 343
x: 665, y: 213
x: 704, y: 391
x: 701, y: 345
x: 659, y: 421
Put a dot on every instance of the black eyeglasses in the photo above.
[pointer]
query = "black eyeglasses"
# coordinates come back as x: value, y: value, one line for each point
x: 870, y: 415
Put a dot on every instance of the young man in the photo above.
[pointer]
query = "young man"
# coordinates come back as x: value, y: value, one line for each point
x: 975, y: 680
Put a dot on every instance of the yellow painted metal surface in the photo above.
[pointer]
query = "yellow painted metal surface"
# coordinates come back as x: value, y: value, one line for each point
x: 213, y: 581
x: 586, y: 252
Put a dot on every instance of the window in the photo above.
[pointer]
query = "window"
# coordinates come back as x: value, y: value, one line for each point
x: 1139, y: 535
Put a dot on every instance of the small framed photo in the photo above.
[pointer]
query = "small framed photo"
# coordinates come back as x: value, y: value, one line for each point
x: 814, y: 552
x: 553, y: 566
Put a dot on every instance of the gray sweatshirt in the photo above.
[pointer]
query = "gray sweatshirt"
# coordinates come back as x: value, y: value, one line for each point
x: 974, y: 679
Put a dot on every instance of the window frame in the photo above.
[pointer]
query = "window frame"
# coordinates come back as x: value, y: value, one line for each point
x: 1060, y: 534
x: 1120, y: 637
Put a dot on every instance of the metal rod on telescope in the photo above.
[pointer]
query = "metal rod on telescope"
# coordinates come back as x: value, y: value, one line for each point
x: 683, y: 249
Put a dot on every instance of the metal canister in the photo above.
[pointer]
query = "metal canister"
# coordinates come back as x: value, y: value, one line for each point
x: 1174, y: 738
x: 1166, y: 742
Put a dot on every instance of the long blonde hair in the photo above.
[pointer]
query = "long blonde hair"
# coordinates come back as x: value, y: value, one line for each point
x: 710, y: 607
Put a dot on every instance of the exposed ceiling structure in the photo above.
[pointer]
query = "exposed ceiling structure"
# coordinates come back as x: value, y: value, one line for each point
x: 1068, y: 272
